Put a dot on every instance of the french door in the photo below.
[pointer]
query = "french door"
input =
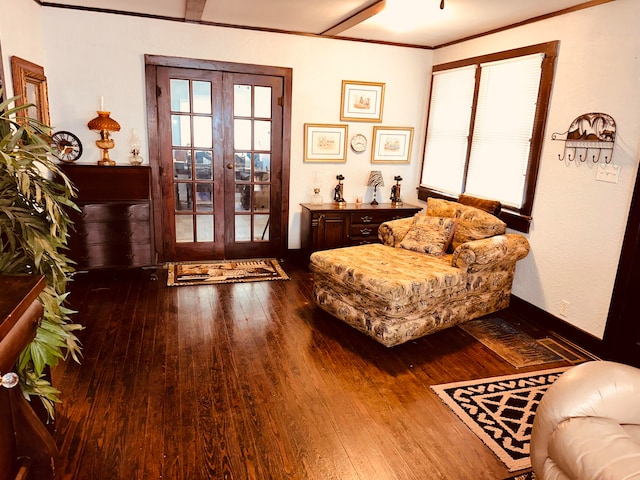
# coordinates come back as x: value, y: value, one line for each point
x: 220, y: 152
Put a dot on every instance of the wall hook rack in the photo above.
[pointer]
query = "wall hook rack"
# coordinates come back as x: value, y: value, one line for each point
x: 591, y: 136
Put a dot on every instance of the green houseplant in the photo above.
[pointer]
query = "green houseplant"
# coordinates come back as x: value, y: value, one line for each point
x: 34, y: 198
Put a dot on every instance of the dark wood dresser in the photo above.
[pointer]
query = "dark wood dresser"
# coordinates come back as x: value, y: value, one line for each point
x: 27, y: 450
x: 330, y: 226
x: 115, y: 226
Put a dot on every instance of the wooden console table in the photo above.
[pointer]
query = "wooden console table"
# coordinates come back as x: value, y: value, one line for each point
x: 330, y: 226
x: 27, y: 450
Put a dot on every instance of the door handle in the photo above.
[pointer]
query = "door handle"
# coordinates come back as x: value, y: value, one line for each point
x: 230, y: 166
x: 9, y: 380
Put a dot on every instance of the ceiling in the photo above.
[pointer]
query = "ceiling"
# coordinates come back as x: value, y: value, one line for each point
x: 407, y: 22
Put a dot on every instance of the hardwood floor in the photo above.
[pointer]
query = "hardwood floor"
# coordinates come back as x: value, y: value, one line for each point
x: 252, y: 381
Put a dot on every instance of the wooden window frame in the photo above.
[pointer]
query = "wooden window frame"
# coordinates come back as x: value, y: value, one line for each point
x: 517, y: 219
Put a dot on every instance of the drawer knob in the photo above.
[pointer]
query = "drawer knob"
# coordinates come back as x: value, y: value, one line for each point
x: 366, y: 219
x: 365, y: 231
x: 9, y: 380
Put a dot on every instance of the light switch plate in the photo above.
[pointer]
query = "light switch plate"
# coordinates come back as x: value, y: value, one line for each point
x: 608, y: 173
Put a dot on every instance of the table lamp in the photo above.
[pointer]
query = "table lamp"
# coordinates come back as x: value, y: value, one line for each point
x: 375, y: 181
x: 105, y: 125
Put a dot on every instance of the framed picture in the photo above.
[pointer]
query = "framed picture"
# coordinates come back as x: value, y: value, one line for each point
x: 361, y: 101
x: 392, y: 144
x: 30, y: 84
x: 325, y: 143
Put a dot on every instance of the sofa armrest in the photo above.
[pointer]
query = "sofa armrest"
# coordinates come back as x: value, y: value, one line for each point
x: 392, y: 232
x: 490, y: 253
x: 592, y: 393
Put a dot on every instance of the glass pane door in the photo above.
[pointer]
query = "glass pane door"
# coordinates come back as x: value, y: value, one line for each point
x: 189, y: 117
x: 220, y: 137
x: 252, y: 159
x: 255, y: 148
x: 192, y: 145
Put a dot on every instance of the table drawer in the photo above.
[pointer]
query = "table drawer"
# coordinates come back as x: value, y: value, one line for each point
x: 369, y: 217
x: 116, y: 212
x: 105, y: 255
x: 115, y: 233
x: 366, y: 230
x: 363, y: 240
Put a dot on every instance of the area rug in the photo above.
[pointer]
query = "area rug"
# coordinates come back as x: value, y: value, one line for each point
x: 225, y: 271
x: 523, y: 476
x: 513, y: 345
x: 500, y: 410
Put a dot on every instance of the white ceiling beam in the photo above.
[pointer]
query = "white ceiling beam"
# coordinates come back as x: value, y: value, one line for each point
x: 356, y: 18
x: 194, y: 10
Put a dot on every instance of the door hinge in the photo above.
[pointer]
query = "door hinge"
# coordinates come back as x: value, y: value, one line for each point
x: 158, y: 91
x: 280, y: 101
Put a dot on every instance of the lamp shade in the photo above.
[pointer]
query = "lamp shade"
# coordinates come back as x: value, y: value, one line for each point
x: 375, y: 179
x: 104, y: 122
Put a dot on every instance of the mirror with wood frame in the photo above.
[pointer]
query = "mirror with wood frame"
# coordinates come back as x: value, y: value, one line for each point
x: 30, y: 85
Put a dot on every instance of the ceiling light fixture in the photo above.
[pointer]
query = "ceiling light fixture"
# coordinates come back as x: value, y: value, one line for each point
x: 441, y: 4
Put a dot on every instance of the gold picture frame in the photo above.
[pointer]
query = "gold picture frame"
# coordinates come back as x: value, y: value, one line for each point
x: 361, y: 101
x: 30, y: 86
x: 325, y: 143
x: 392, y: 144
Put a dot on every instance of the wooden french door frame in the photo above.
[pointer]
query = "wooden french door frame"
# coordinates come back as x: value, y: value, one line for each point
x: 622, y: 332
x: 152, y: 63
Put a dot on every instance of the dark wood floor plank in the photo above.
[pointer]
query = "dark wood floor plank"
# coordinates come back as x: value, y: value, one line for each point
x: 252, y: 381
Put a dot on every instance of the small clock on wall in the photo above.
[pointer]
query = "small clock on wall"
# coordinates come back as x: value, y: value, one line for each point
x: 66, y: 145
x: 358, y: 143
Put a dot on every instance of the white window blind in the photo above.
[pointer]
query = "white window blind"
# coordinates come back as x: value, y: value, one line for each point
x: 505, y: 112
x: 448, y: 132
x: 504, y: 116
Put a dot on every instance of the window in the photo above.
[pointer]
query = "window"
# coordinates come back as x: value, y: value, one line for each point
x: 485, y: 128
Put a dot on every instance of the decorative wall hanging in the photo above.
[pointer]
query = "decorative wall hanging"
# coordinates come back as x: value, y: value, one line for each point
x: 325, y: 143
x: 361, y: 101
x: 392, y: 144
x: 591, y: 136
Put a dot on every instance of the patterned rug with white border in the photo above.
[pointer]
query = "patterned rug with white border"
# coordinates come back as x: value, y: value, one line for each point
x: 500, y: 410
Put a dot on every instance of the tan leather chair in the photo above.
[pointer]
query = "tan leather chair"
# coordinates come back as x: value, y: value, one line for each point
x: 587, y: 426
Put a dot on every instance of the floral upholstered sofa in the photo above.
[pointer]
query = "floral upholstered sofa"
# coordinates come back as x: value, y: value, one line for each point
x: 448, y: 264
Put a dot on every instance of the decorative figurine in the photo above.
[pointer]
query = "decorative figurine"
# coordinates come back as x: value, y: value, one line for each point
x: 395, y: 192
x: 338, y: 197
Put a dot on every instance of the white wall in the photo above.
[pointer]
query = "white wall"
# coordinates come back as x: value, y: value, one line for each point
x: 89, y: 55
x: 21, y: 34
x: 578, y: 222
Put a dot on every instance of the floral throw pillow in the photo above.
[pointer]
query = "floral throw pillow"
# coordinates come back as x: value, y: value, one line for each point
x: 431, y: 235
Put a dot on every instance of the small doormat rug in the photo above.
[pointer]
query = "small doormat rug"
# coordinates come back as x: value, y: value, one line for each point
x: 500, y: 410
x: 225, y: 271
x: 516, y: 347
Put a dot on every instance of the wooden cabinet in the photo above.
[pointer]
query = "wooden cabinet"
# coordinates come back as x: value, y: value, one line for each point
x: 114, y: 228
x: 330, y: 226
x: 27, y: 450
